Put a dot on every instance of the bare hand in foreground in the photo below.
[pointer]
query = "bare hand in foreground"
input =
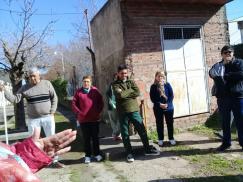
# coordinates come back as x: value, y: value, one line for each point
x: 55, y: 144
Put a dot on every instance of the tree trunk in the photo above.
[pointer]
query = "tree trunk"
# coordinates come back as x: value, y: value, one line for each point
x: 19, y: 112
x: 93, y: 64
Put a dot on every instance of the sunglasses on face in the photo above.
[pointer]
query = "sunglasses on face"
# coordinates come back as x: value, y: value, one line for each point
x: 227, y: 52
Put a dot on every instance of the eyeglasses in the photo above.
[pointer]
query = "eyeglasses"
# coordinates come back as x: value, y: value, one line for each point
x: 227, y: 52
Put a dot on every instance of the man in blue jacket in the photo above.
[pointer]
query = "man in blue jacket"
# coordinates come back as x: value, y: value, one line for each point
x: 228, y: 78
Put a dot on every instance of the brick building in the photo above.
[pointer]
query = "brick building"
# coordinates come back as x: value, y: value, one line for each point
x: 182, y: 37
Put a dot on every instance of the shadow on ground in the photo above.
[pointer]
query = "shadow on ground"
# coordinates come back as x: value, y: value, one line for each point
x: 230, y: 178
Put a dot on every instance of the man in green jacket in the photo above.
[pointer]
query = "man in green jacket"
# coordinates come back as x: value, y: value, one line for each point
x: 126, y: 93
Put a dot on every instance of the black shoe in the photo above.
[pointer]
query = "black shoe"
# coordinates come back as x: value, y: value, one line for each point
x: 152, y: 151
x: 57, y: 165
x: 223, y: 147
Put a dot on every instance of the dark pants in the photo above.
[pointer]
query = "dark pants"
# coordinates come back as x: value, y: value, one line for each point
x: 159, y: 116
x: 90, y: 133
x: 226, y: 105
x: 136, y: 120
x: 237, y: 108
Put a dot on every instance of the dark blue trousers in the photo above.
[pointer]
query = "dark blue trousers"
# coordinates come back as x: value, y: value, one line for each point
x: 225, y: 106
x: 237, y: 108
x: 159, y: 116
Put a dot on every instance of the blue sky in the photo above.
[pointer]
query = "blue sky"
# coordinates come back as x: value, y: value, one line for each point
x: 64, y: 31
x: 234, y: 9
x: 64, y: 12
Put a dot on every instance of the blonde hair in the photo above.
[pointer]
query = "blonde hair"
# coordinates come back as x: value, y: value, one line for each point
x: 160, y: 87
x: 161, y: 73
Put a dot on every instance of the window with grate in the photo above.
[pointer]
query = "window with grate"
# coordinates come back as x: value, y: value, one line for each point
x: 172, y: 33
x: 191, y: 33
x: 181, y: 33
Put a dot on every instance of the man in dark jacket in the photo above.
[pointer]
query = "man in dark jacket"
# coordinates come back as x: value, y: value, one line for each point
x: 126, y: 93
x: 228, y: 78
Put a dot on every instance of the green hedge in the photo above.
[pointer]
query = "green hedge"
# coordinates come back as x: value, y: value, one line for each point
x: 238, y: 50
x: 60, y: 88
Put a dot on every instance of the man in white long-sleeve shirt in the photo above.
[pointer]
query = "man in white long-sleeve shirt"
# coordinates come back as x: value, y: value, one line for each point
x: 41, y: 103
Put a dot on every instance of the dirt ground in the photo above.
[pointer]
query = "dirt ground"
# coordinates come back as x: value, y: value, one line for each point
x: 168, y: 166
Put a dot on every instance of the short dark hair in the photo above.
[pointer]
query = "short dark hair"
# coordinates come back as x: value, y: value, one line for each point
x: 227, y: 48
x: 87, y: 77
x: 122, y: 67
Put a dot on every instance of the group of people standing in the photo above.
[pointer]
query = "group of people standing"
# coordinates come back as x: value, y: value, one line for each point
x: 88, y: 105
x: 123, y: 109
x: 122, y: 102
x: 122, y: 96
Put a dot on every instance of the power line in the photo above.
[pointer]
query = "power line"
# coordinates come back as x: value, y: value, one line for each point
x: 40, y: 14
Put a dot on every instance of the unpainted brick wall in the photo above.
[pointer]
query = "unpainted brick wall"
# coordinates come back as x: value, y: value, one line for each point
x: 143, y: 42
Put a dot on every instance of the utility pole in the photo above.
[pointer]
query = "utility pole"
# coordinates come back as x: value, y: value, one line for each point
x: 90, y: 48
x: 87, y: 22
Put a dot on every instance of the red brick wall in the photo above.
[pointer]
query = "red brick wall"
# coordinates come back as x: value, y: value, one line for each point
x: 141, y: 25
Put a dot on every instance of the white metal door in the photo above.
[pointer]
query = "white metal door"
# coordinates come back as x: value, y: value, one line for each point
x: 184, y: 64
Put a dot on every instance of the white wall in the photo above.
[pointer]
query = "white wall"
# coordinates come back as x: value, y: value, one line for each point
x: 236, y: 35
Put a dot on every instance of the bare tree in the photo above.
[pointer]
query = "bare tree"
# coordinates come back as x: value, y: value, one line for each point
x: 74, y: 54
x: 19, y: 53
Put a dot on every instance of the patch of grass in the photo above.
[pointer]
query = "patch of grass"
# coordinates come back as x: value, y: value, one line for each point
x: 152, y: 135
x: 110, y: 167
x: 216, y: 165
x: 203, y: 130
x: 212, y: 125
x: 60, y: 126
x: 209, y: 132
x: 60, y: 117
x: 212, y: 166
x: 82, y: 174
x: 75, y: 175
x: 62, y: 123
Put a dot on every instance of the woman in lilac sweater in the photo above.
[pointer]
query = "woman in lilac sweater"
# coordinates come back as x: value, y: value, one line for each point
x: 88, y: 104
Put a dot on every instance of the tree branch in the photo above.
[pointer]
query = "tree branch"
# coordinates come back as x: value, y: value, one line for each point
x: 6, y: 68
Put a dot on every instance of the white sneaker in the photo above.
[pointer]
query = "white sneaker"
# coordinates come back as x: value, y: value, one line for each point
x: 173, y: 142
x: 98, y: 158
x: 130, y: 158
x: 87, y: 160
x: 160, y: 143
